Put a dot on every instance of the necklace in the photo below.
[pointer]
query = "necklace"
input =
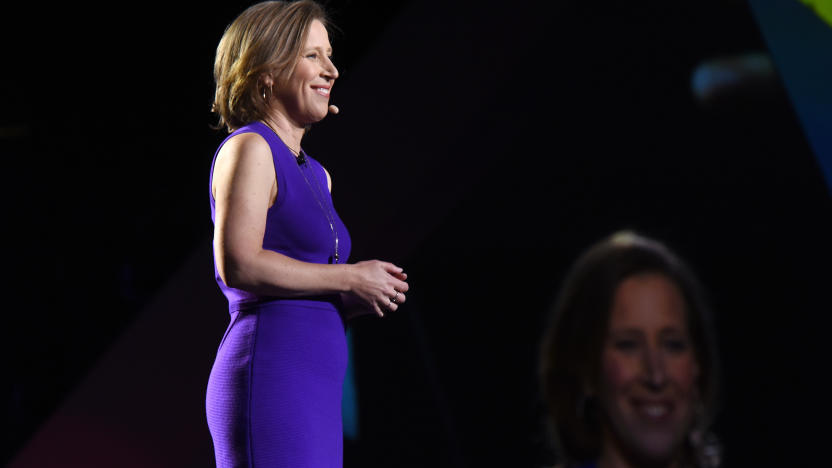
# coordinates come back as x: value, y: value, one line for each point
x: 317, y: 193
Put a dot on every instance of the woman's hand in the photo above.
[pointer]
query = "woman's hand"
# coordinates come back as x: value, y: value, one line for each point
x: 376, y: 287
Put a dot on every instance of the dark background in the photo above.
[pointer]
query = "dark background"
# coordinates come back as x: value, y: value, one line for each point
x: 481, y: 145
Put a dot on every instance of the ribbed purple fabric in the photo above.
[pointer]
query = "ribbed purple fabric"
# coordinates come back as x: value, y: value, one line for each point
x: 274, y: 394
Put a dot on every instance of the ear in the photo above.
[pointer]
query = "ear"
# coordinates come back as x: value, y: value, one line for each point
x: 267, y: 80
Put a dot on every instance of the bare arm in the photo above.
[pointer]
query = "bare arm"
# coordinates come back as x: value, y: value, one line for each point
x: 244, y: 189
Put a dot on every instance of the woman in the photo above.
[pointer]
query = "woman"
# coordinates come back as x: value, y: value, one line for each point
x: 280, y: 249
x: 628, y: 362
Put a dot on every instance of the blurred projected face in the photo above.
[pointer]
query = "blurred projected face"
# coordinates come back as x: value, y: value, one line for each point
x: 648, y: 371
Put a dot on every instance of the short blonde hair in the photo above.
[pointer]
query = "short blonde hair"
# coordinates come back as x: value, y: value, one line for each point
x: 265, y: 39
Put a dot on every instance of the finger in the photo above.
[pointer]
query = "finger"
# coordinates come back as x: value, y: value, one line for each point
x: 390, y: 304
x: 401, y: 286
x: 400, y: 276
x: 391, y: 268
x: 394, y: 298
x: 376, y: 305
x: 333, y: 109
x: 398, y: 297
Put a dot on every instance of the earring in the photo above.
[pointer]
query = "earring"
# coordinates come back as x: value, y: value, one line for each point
x: 706, y: 445
x: 264, y: 94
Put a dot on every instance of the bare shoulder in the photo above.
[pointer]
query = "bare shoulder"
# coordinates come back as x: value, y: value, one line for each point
x: 246, y: 146
x: 244, y: 161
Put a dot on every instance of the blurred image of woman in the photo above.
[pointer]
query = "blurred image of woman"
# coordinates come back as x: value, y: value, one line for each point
x: 628, y: 363
x: 281, y: 250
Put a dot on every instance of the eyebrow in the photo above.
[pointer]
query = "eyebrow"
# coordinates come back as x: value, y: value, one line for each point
x: 327, y: 50
x: 635, y: 330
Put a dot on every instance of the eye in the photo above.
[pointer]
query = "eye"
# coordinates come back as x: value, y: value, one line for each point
x: 676, y: 345
x: 312, y: 55
x: 625, y: 344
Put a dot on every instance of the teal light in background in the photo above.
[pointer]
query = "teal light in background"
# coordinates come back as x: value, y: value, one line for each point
x: 349, y: 398
x: 800, y: 41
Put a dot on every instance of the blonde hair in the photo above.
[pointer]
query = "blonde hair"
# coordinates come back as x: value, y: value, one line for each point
x: 265, y: 39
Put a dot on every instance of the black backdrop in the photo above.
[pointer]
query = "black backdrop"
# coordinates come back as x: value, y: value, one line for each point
x: 481, y: 145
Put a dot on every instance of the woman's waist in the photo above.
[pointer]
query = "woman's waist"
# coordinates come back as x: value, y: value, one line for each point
x: 324, y: 302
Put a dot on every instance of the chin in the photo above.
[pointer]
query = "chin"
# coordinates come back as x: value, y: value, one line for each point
x: 648, y: 443
x: 317, y: 113
x: 656, y: 449
x: 661, y: 447
x: 314, y: 118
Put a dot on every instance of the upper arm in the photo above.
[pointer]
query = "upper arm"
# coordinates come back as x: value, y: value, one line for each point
x: 328, y: 179
x: 244, y: 189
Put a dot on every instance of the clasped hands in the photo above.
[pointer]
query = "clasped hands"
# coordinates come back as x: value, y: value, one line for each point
x: 375, y: 287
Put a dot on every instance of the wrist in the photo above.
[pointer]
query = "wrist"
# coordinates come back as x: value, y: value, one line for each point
x: 347, y: 278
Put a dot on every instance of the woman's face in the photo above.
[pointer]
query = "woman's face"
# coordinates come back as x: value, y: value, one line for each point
x: 304, y: 98
x: 649, y: 371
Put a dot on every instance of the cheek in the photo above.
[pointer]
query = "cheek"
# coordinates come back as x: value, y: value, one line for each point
x: 685, y: 374
x: 305, y: 76
x: 617, y: 371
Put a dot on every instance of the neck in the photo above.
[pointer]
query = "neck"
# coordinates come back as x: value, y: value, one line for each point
x: 616, y: 460
x: 288, y: 131
x: 612, y: 456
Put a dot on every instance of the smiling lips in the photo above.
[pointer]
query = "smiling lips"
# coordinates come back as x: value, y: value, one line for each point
x: 322, y: 90
x: 654, y: 411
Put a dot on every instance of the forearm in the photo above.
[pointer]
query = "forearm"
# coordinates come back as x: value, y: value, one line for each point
x: 273, y: 274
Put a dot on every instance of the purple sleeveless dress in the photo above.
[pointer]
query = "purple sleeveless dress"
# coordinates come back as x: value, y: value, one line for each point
x: 274, y: 394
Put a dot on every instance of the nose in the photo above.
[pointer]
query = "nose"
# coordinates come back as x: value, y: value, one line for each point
x: 329, y: 69
x: 655, y: 375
